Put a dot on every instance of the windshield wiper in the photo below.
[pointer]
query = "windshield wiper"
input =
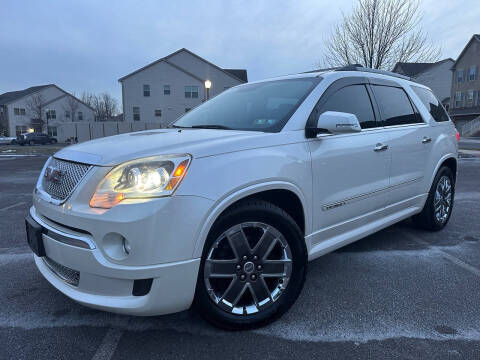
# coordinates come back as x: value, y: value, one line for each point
x: 178, y: 127
x: 206, y: 126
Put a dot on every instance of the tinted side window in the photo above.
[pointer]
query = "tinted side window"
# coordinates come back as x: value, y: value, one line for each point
x: 352, y: 99
x: 394, y: 105
x: 433, y: 105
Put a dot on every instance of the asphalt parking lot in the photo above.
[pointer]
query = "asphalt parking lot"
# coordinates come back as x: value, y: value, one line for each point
x: 401, y: 293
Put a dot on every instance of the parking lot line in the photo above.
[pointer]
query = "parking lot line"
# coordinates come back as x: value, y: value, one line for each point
x: 13, y: 206
x: 445, y: 255
x: 109, y: 343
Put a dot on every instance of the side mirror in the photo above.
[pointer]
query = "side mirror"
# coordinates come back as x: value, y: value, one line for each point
x: 334, y: 122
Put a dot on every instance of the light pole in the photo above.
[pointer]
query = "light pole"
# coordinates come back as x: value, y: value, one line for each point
x: 208, y: 85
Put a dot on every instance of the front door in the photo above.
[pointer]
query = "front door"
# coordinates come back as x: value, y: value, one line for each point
x: 350, y: 171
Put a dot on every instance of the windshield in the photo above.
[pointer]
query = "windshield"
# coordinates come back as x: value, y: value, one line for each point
x: 265, y: 106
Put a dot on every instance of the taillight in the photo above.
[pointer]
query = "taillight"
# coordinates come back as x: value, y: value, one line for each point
x: 458, y: 136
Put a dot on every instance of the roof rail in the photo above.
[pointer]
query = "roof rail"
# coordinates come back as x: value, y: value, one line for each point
x: 358, y: 67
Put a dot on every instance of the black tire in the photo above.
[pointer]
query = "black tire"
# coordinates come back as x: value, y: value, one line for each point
x: 426, y: 219
x: 53, y: 141
x: 31, y: 143
x: 267, y: 213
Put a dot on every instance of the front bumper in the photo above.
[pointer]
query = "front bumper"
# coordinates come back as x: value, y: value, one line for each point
x: 172, y: 290
x: 161, y: 250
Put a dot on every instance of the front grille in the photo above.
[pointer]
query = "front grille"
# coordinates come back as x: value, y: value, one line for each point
x: 61, y: 177
x: 68, y: 275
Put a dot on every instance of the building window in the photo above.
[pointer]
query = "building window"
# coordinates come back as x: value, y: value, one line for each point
x: 158, y: 112
x: 469, y: 98
x: 136, y: 113
x: 166, y: 89
x: 20, y: 129
x: 191, y: 92
x: 52, y: 131
x: 67, y: 114
x: 19, y: 111
x: 80, y: 116
x: 460, y: 77
x: 146, y: 90
x: 472, y: 73
x: 458, y: 99
x: 51, y: 114
x: 187, y: 109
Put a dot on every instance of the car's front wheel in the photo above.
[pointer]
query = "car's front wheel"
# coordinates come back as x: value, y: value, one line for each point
x: 253, y: 266
x: 438, y: 207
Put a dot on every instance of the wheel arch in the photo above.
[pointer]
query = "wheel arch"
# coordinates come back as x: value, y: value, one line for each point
x: 285, y: 195
x: 448, y: 160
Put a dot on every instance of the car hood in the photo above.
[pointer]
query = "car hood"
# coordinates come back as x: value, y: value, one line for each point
x: 113, y: 150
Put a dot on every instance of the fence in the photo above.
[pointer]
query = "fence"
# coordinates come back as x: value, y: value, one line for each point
x: 471, y: 127
x: 87, y: 131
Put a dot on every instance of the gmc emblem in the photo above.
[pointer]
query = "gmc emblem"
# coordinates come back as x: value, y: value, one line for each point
x: 53, y: 174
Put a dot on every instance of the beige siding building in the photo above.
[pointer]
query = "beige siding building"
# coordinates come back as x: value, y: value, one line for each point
x: 437, y: 76
x: 167, y: 88
x: 465, y: 85
x: 17, y: 117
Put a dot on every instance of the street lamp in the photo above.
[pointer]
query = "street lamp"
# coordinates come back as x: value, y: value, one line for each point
x: 208, y: 85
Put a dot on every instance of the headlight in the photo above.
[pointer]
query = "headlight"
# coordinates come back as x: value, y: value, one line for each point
x: 149, y: 177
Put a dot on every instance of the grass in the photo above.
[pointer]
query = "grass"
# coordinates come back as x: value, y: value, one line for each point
x: 30, y: 149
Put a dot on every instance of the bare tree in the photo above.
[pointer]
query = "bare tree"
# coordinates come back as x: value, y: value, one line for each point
x: 378, y: 34
x: 35, y: 107
x: 87, y: 98
x: 104, y: 105
x: 71, y: 105
x: 110, y: 106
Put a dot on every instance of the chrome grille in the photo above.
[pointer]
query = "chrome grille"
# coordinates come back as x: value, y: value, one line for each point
x: 61, y: 177
x: 68, y: 275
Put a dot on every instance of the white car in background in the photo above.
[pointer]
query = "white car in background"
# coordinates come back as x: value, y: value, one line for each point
x: 225, y: 209
x: 9, y: 140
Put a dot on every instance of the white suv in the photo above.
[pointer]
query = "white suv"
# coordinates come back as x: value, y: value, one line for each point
x: 225, y: 208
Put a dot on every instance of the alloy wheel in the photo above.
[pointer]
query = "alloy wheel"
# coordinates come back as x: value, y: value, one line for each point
x: 443, y: 199
x: 247, y: 268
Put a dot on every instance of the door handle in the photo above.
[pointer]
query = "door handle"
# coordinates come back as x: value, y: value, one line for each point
x: 380, y: 147
x: 426, y: 139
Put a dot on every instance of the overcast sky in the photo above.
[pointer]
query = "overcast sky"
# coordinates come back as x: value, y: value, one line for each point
x: 89, y: 45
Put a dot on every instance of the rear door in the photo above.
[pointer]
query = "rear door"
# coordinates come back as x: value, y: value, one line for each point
x: 409, y: 145
x: 350, y: 173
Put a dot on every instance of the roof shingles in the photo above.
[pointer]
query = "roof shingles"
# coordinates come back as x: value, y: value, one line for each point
x: 413, y: 69
x: 10, y: 96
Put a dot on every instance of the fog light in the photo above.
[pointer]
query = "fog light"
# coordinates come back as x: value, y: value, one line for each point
x: 126, y: 246
x: 116, y: 246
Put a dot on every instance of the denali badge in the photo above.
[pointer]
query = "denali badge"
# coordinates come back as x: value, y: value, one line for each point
x: 53, y: 174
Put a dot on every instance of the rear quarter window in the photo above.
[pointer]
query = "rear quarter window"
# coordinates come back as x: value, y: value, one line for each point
x: 395, y: 106
x: 431, y: 103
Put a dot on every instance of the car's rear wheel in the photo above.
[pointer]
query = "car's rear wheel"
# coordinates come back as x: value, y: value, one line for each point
x: 31, y: 142
x: 438, y: 207
x: 253, y: 266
